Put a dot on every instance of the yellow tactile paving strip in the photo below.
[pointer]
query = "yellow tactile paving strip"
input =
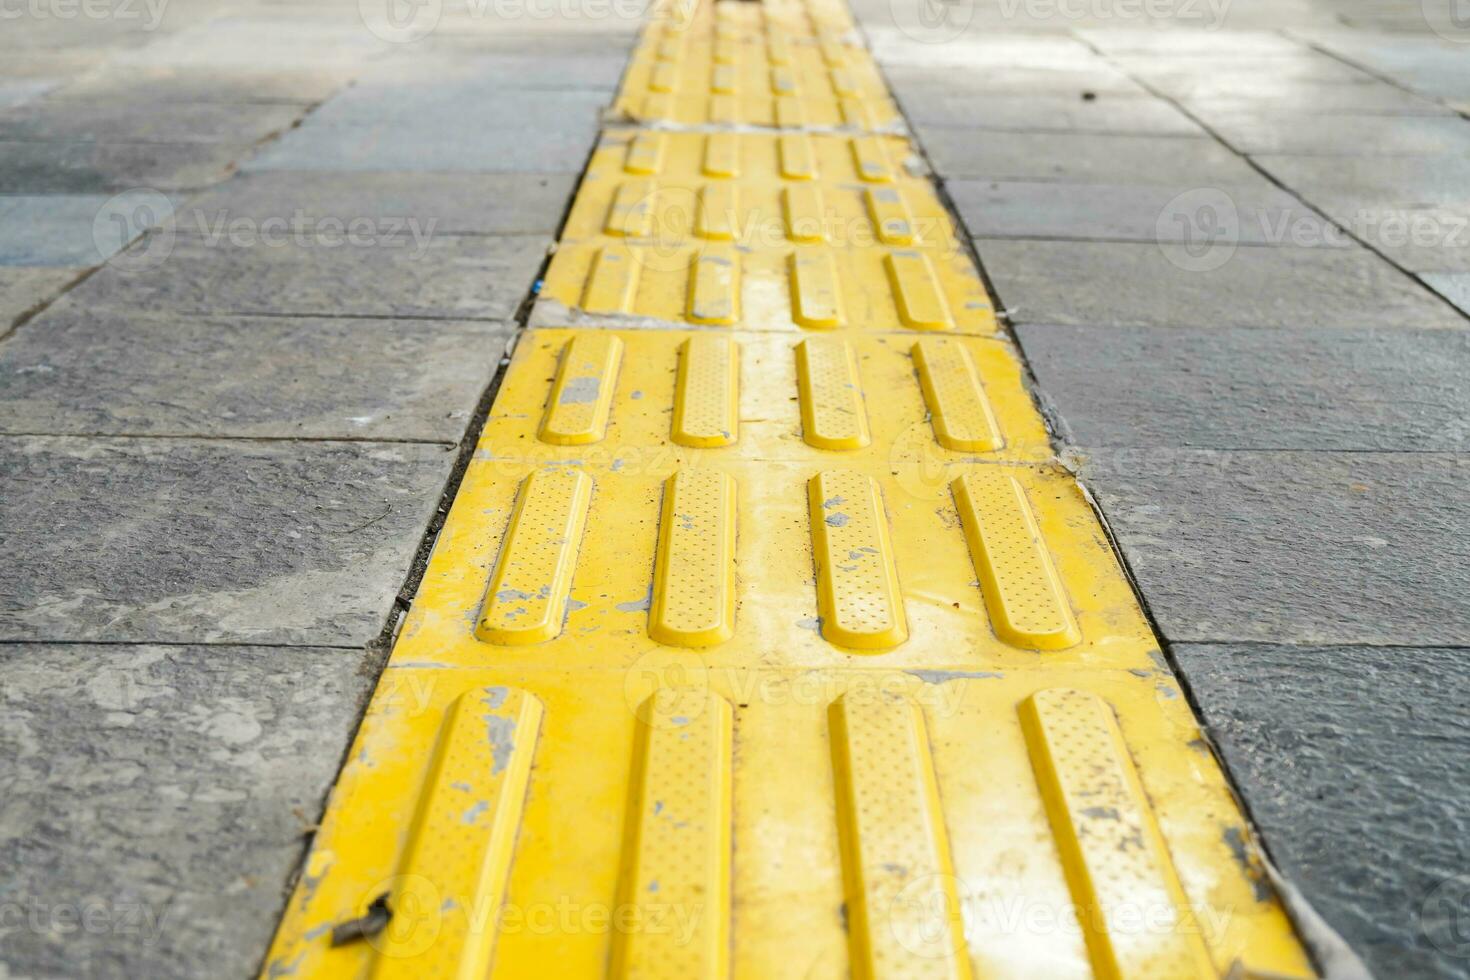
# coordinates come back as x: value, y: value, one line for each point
x: 765, y: 637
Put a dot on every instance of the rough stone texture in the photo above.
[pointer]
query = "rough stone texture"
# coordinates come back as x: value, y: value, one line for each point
x: 1085, y: 157
x: 89, y: 168
x: 1353, y: 760
x: 1226, y: 388
x: 1108, y: 113
x: 1264, y: 215
x: 440, y: 276
x: 24, y: 290
x: 1293, y: 547
x: 446, y: 203
x: 79, y: 230
x: 143, y: 123
x: 161, y: 796
x: 157, y: 540
x: 1107, y: 284
x: 76, y: 371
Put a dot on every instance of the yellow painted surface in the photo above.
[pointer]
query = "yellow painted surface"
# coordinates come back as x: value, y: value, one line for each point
x: 765, y: 637
x: 986, y: 410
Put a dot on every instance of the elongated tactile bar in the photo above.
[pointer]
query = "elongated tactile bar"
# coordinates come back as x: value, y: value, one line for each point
x: 527, y: 597
x: 462, y: 838
x: 765, y: 635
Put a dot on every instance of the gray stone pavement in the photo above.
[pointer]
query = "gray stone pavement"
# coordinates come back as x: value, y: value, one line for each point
x: 222, y: 451
x: 1233, y: 242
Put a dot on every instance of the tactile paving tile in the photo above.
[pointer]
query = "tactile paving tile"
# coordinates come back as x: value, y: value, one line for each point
x: 1017, y: 824
x: 765, y: 637
x: 759, y: 190
x: 908, y: 401
x: 619, y: 283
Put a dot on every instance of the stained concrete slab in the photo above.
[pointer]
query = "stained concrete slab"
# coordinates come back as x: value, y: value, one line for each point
x: 1126, y: 284
x: 1106, y: 113
x: 25, y: 290
x: 1085, y: 158
x: 75, y: 370
x: 1296, y: 130
x: 187, y: 541
x: 443, y: 203
x: 1293, y: 547
x: 90, y: 168
x: 1262, y: 215
x: 78, y: 230
x: 1353, y: 760
x: 1251, y: 388
x: 158, y: 799
x: 141, y: 122
x: 402, y: 272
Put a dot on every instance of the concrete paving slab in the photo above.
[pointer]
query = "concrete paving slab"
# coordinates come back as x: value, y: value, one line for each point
x: 1234, y: 95
x: 1371, y: 181
x: 184, y: 540
x: 141, y: 122
x: 80, y: 230
x: 1085, y: 158
x: 394, y: 273
x: 1264, y: 215
x: 448, y: 204
x: 23, y: 290
x: 1454, y: 287
x: 159, y: 798
x: 1295, y: 131
x: 114, y: 85
x: 1183, y: 42
x: 460, y: 105
x: 1414, y: 236
x: 1365, y: 745
x: 90, y: 168
x: 1105, y: 284
x: 395, y: 77
x: 77, y: 371
x: 404, y: 146
x: 1108, y: 113
x: 1293, y: 547
x: 911, y: 80
x: 1325, y: 389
